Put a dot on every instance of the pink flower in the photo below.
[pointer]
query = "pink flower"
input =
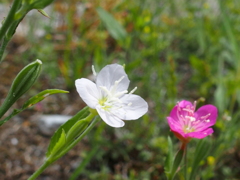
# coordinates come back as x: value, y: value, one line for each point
x: 185, y: 123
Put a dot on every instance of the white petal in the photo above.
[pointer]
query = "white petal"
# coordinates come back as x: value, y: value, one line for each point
x: 134, y: 108
x: 109, y: 118
x: 111, y: 73
x: 88, y: 92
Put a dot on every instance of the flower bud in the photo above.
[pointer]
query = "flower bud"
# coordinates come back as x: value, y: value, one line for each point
x: 23, y: 82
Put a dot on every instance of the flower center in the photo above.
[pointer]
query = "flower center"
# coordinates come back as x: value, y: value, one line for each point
x: 105, y: 104
x: 112, y: 98
x: 187, y: 129
x: 188, y: 120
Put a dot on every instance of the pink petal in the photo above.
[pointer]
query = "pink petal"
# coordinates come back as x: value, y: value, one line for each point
x: 175, y: 126
x: 184, y: 103
x: 201, y: 134
x: 173, y: 114
x: 181, y: 104
x: 204, y: 111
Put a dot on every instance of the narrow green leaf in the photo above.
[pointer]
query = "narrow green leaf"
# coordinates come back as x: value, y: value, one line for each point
x: 40, y: 96
x: 115, y: 29
x: 60, y: 143
x: 43, y: 13
x: 35, y: 99
x: 66, y: 127
x: 202, y: 150
x: 176, y: 163
x: 169, y: 159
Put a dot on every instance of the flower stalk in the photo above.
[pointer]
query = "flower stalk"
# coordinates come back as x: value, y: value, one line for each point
x: 40, y: 170
x: 92, y: 120
x: 185, y: 161
x: 10, y: 18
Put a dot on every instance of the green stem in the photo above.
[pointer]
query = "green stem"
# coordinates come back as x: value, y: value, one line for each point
x: 185, y: 163
x: 5, y: 106
x: 10, y: 18
x: 8, y: 35
x: 53, y: 158
x: 14, y: 113
x: 83, y: 164
x: 40, y: 170
x: 3, y: 47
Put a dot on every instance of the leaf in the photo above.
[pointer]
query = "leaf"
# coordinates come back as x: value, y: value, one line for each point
x: 60, y: 143
x: 176, y: 163
x: 40, y: 96
x: 43, y: 13
x: 35, y: 99
x: 169, y: 159
x: 66, y: 127
x: 201, y: 152
x: 114, y: 28
x: 76, y: 129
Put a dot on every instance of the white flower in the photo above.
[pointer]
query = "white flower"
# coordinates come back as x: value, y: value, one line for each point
x: 109, y: 96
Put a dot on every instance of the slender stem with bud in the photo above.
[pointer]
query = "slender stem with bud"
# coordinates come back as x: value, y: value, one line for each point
x: 53, y: 158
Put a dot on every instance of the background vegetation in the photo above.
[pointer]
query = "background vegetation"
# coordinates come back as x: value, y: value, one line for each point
x: 173, y: 50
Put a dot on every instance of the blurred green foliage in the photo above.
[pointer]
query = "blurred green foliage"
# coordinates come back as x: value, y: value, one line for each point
x: 173, y: 50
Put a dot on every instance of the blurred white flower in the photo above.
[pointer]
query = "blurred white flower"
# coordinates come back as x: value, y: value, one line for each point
x: 109, y: 96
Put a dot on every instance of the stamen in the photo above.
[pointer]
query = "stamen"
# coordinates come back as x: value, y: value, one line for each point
x: 118, y: 81
x: 191, y: 118
x: 182, y: 117
x: 105, y: 90
x: 93, y: 70
x: 194, y: 105
x: 188, y: 110
x: 129, y: 104
x: 120, y: 93
x: 207, y: 120
x: 206, y: 116
x: 132, y: 91
x: 113, y: 88
x: 196, y: 122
